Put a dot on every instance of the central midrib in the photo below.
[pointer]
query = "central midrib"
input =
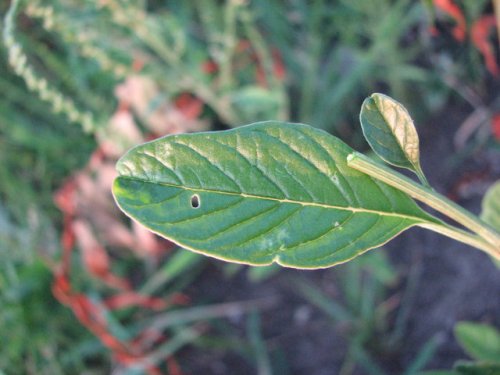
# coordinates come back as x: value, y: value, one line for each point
x: 309, y: 204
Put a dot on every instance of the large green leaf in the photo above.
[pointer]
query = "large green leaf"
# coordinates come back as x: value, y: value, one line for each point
x: 262, y: 193
x: 390, y: 132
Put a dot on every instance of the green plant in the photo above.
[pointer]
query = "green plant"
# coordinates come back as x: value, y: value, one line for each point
x: 238, y: 61
x: 26, y: 300
x: 332, y: 59
x: 482, y: 343
x: 43, y: 45
x: 219, y: 56
x: 288, y: 193
x: 243, y: 60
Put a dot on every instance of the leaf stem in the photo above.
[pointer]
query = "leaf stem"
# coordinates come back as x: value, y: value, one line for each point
x: 463, y: 236
x: 489, y: 240
x: 421, y: 176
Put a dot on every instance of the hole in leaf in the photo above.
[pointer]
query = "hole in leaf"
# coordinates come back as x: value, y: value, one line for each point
x: 195, y: 201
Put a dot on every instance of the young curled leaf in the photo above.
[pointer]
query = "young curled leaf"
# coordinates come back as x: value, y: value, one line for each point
x: 390, y: 132
x: 262, y: 193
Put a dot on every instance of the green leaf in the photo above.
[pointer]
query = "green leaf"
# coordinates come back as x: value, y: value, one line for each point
x: 480, y: 341
x: 262, y: 193
x: 490, y: 212
x: 390, y: 132
x: 491, y: 206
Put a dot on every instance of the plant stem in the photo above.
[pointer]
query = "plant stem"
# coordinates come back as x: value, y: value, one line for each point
x: 421, y: 176
x: 488, y: 240
x: 463, y: 236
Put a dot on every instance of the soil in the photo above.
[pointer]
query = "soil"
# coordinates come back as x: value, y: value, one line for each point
x: 453, y: 283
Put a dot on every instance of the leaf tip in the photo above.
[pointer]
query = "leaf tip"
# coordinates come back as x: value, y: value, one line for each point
x: 378, y: 95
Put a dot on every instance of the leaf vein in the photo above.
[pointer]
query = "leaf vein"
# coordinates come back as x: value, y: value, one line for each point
x: 324, y: 234
x: 268, y: 230
x: 311, y: 204
x: 197, y: 152
x: 241, y: 222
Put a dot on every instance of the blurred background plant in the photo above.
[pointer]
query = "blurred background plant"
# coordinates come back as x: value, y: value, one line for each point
x: 83, y: 81
x: 370, y: 315
x: 481, y: 342
x: 471, y: 42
